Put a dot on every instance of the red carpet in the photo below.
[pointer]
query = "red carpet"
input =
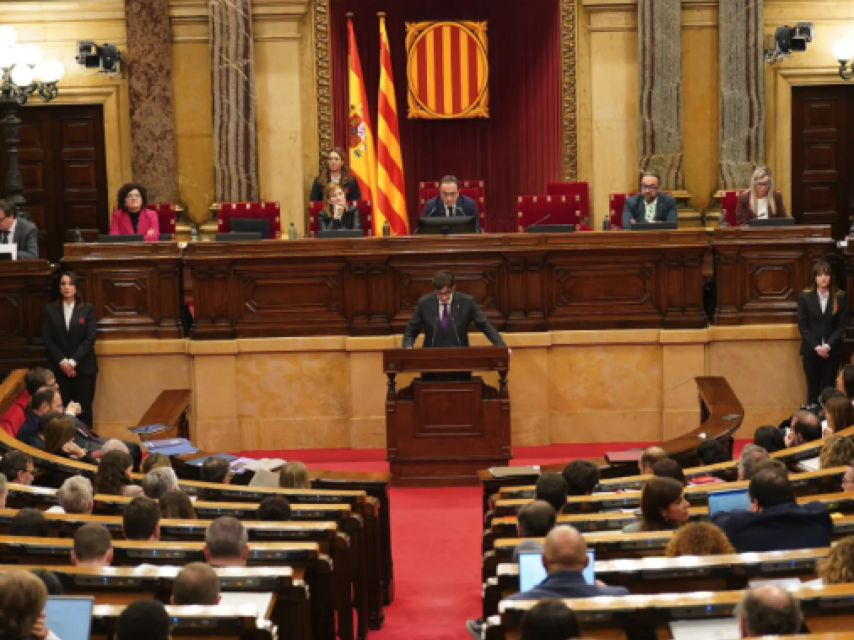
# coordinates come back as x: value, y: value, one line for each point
x: 437, y: 566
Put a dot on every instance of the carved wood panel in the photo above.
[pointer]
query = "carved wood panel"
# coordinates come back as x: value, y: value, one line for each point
x: 24, y: 292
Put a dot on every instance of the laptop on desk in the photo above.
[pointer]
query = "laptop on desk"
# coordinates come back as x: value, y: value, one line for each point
x: 654, y: 226
x: 70, y: 618
x: 728, y: 501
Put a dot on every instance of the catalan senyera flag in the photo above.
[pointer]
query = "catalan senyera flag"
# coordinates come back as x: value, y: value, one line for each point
x: 363, y: 160
x: 447, y: 70
x: 390, y: 202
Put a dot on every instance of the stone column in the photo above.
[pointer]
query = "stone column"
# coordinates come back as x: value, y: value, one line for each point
x: 742, y: 93
x: 235, y: 142
x: 660, y: 91
x: 154, y: 158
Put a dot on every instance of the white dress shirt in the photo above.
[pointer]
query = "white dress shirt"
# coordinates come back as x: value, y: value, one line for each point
x: 11, y: 239
x: 762, y: 208
x: 650, y: 210
x: 68, y: 310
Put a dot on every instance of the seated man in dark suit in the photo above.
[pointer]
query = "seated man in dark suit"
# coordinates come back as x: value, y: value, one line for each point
x: 17, y: 231
x: 564, y: 558
x: 551, y: 488
x: 43, y: 401
x: 581, y: 477
x: 650, y: 205
x: 450, y: 202
x: 775, y: 522
x: 534, y: 520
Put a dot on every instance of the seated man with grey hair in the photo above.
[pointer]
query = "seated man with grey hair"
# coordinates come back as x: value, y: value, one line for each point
x: 75, y: 496
x: 769, y: 611
x: 197, y: 583
x: 216, y: 469
x: 751, y: 455
x: 226, y: 543
x: 114, y: 445
x: 158, y: 481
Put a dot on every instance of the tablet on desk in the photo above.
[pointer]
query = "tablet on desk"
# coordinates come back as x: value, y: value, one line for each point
x: 728, y: 501
x: 532, y: 572
x: 70, y: 618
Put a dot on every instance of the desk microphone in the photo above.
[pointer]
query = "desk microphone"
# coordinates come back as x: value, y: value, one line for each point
x: 538, y: 222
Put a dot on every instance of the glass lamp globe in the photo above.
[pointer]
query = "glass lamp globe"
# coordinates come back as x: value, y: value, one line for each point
x: 30, y: 54
x: 8, y: 57
x: 22, y: 75
x: 8, y: 35
x: 50, y: 71
x: 843, y: 50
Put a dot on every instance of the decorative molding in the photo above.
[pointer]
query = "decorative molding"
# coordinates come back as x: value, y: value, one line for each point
x: 323, y: 78
x: 569, y: 107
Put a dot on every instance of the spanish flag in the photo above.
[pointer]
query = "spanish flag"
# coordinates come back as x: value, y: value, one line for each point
x: 363, y: 162
x: 390, y: 202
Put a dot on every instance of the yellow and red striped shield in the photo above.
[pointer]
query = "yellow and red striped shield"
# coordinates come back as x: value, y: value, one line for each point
x: 448, y: 70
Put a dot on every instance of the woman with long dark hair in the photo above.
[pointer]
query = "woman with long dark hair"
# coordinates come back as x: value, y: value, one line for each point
x: 663, y: 506
x: 69, y: 330
x: 132, y: 217
x: 114, y: 473
x: 335, y: 170
x: 822, y: 321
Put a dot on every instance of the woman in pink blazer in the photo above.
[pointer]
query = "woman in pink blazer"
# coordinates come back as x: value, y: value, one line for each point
x: 132, y: 218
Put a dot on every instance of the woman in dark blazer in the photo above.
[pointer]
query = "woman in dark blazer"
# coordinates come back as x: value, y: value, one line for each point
x: 336, y: 215
x: 69, y: 329
x: 761, y: 200
x: 335, y: 171
x: 822, y: 321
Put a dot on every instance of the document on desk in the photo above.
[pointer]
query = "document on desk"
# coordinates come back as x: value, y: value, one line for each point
x: 712, y: 629
x: 810, y: 464
x: 260, y: 601
x: 783, y: 583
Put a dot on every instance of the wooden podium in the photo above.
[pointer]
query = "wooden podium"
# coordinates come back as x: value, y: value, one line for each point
x: 441, y: 433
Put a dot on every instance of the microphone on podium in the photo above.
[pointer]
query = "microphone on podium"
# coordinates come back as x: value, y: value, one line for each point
x: 538, y: 222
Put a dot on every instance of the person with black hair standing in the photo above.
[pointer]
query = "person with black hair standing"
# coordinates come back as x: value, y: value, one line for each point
x: 69, y: 329
x: 822, y: 322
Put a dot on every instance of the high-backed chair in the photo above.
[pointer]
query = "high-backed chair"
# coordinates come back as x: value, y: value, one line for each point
x: 226, y: 212
x: 729, y: 203
x: 474, y: 189
x: 167, y: 217
x: 559, y: 209
x: 366, y: 215
x: 579, y: 191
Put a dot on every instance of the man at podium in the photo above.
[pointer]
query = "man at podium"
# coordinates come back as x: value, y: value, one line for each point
x: 446, y: 317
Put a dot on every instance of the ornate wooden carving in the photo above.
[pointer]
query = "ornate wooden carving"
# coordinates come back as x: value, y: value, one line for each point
x: 760, y: 272
x: 135, y: 288
x: 323, y: 78
x: 24, y: 292
x: 570, y: 108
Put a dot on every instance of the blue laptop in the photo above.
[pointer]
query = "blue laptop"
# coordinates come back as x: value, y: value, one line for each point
x: 532, y: 572
x: 728, y: 501
x: 70, y: 618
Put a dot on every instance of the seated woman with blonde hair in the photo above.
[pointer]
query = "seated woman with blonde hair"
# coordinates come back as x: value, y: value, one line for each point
x: 294, y: 475
x: 838, y: 566
x: 335, y: 213
x: 760, y: 201
x: 698, y: 539
x: 837, y: 451
x: 839, y: 413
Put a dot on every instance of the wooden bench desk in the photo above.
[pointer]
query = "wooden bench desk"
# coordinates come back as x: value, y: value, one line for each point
x: 201, y: 623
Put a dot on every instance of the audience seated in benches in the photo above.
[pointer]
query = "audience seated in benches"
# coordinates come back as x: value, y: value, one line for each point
x: 663, y: 506
x: 22, y: 602
x: 838, y: 566
x: 837, y: 451
x: 59, y: 434
x: 154, y: 461
x: 216, y: 470
x: 751, y: 455
x: 141, y: 520
x: 535, y: 520
x: 770, y: 438
x: 649, y: 457
x: 551, y: 488
x: 848, y: 479
x: 839, y: 414
x: 17, y: 467
x: 669, y: 468
x: 114, y: 476
x: 176, y: 505
x: 274, y: 509
x: 29, y: 523
x: 775, y: 521
x: 804, y: 427
x: 549, y: 620
x: 197, y: 583
x: 75, y: 496
x: 769, y: 611
x: 581, y: 477
x: 42, y: 402
x: 294, y: 475
x: 92, y: 547
x: 712, y: 452
x: 158, y: 481
x: 698, y: 539
x: 144, y: 620
x: 226, y: 543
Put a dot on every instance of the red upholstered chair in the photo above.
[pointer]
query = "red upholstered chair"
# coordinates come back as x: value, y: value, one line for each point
x: 225, y: 211
x: 474, y: 189
x: 13, y: 419
x: 729, y: 203
x: 561, y: 209
x: 366, y: 214
x: 616, y: 202
x: 579, y: 191
x: 167, y: 216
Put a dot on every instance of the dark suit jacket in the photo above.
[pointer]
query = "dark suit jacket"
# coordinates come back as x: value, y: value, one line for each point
x: 567, y: 584
x: 463, y: 310
x: 785, y: 526
x: 635, y: 209
x: 435, y: 208
x: 349, y: 220
x: 815, y: 325
x: 351, y: 190
x: 743, y: 212
x: 75, y: 343
x: 27, y: 238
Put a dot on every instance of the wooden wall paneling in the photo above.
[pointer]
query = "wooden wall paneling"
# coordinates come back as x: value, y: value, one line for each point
x: 24, y: 291
x: 524, y: 286
x: 683, y: 300
x: 760, y: 272
x: 367, y: 295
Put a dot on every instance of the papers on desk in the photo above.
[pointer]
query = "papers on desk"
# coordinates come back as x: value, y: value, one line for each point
x: 264, y: 478
x: 783, y: 583
x: 259, y: 601
x: 8, y: 252
x: 251, y: 464
x: 149, y: 429
x: 514, y: 472
x: 712, y: 629
x: 811, y: 464
x: 170, y: 446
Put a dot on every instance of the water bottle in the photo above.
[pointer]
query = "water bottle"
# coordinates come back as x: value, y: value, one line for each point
x: 194, y: 232
x: 386, y: 229
x: 292, y: 232
x: 606, y: 223
x: 78, y: 237
x: 723, y: 223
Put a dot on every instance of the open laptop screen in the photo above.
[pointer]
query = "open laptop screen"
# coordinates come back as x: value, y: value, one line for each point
x: 532, y: 572
x: 70, y: 618
x: 728, y: 501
